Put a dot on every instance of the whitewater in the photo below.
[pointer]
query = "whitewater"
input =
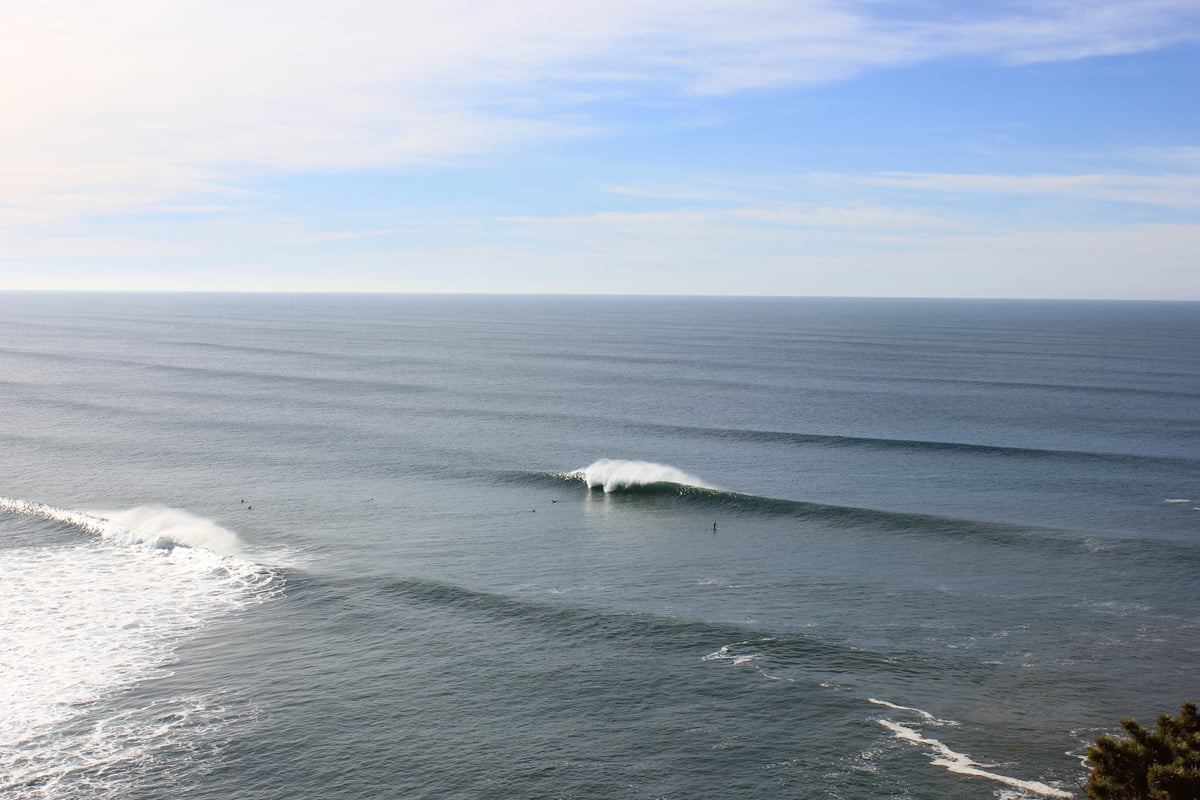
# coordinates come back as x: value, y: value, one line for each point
x: 612, y: 474
x: 81, y: 623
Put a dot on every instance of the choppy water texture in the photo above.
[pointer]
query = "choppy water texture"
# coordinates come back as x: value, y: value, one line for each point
x: 429, y: 547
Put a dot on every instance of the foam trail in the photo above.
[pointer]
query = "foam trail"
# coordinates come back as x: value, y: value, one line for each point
x: 616, y: 474
x: 962, y: 764
x: 925, y: 715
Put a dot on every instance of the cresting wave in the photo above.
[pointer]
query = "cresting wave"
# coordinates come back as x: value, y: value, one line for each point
x: 84, y: 621
x: 614, y: 475
x: 659, y: 483
x: 664, y: 481
x: 148, y: 526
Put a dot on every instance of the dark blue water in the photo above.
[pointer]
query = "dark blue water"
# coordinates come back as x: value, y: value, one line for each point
x: 297, y: 546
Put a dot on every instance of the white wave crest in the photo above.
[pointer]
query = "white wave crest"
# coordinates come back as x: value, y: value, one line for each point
x: 615, y: 474
x: 156, y: 527
x: 174, y: 527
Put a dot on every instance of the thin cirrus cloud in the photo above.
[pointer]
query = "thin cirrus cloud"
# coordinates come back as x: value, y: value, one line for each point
x: 790, y: 215
x: 124, y: 105
x: 151, y: 132
x: 1177, y: 190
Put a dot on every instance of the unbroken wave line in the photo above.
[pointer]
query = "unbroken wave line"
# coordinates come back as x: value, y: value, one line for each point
x: 833, y: 441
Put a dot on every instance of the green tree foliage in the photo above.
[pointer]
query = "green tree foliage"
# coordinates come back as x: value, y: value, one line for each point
x: 1163, y: 764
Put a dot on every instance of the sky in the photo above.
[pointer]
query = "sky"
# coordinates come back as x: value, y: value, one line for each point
x: 915, y: 148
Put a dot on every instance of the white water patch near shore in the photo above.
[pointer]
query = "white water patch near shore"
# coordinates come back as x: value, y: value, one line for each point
x: 613, y: 475
x: 959, y: 763
x: 81, y: 623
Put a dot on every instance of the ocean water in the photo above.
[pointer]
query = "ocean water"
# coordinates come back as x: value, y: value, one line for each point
x: 271, y: 546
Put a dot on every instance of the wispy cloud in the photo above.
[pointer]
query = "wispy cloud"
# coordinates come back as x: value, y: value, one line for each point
x: 125, y: 105
x: 1170, y: 191
x: 789, y: 215
x: 1171, y: 182
x: 856, y: 218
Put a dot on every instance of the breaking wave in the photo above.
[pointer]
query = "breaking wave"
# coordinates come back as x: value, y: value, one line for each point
x: 615, y: 475
x: 156, y: 527
x: 84, y: 620
x: 646, y: 482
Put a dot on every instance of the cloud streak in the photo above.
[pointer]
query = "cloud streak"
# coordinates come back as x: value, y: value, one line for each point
x: 1177, y: 190
x: 125, y: 105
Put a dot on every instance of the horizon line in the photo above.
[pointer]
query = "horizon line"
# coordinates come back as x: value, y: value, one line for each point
x: 598, y: 295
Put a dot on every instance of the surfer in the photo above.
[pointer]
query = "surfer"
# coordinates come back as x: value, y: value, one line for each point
x: 714, y: 527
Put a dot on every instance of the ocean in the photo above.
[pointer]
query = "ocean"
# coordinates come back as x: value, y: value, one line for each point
x: 359, y: 546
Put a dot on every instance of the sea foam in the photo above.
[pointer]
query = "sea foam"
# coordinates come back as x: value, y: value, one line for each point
x: 958, y: 763
x: 82, y: 622
x: 171, y: 526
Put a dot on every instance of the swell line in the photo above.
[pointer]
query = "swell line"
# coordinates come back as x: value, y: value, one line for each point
x: 582, y: 625
x: 701, y: 495
x: 698, y: 496
x: 909, y: 445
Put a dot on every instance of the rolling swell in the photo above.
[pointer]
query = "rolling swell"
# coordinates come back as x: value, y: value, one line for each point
x: 662, y: 494
x: 840, y: 442
x: 712, y: 499
x: 915, y: 445
x: 583, y: 626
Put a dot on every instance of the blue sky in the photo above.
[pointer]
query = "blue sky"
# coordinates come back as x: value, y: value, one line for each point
x: 923, y: 148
